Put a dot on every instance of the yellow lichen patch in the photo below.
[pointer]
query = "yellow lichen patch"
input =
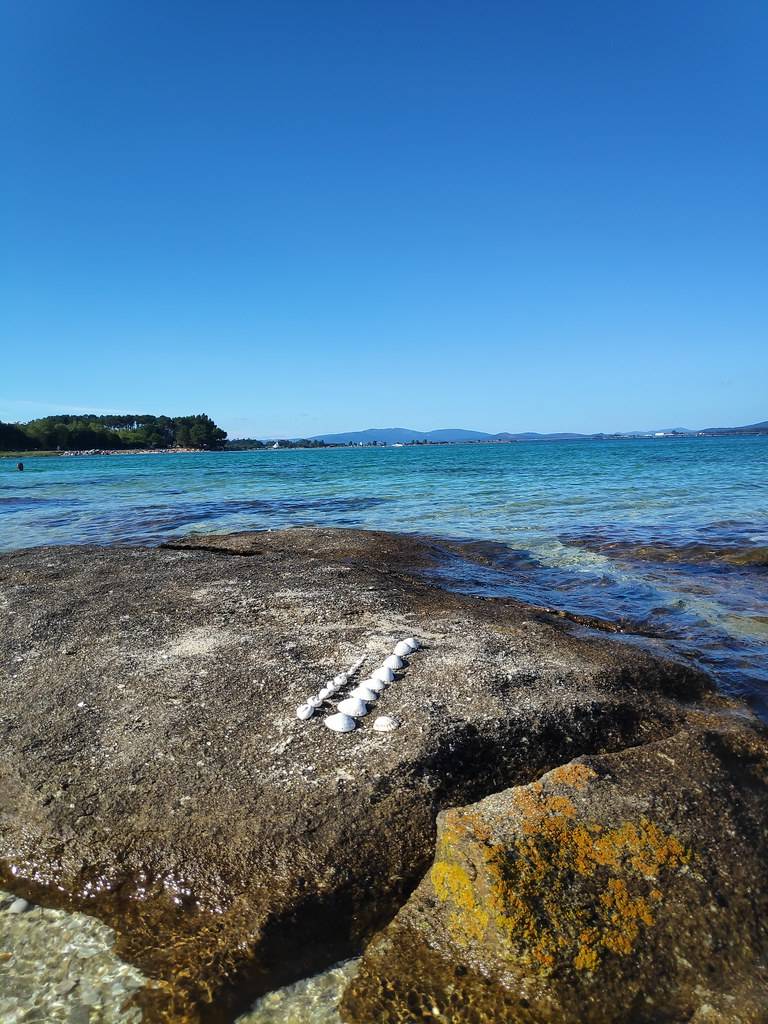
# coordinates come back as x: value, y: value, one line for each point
x: 564, y: 891
x: 622, y: 916
x: 468, y: 921
x: 575, y: 775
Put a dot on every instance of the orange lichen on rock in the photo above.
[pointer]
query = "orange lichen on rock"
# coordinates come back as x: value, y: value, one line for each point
x: 560, y: 890
x: 575, y: 775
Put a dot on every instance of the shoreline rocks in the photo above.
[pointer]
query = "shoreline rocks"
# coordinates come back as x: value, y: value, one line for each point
x: 629, y: 888
x: 157, y: 776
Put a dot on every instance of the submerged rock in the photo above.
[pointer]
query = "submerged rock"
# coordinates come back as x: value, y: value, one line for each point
x: 160, y: 779
x: 630, y: 888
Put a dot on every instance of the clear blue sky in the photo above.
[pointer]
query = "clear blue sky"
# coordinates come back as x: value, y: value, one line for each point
x: 304, y: 216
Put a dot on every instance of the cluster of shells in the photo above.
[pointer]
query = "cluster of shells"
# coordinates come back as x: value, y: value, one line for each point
x: 359, y: 701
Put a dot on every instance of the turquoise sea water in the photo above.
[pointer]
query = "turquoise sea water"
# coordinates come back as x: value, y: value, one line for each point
x: 626, y: 530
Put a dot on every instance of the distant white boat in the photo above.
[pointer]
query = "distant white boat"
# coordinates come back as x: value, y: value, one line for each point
x: 398, y: 444
x: 275, y: 445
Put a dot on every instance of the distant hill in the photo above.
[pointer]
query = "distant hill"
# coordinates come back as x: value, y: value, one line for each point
x: 752, y: 428
x: 532, y: 436
x: 393, y: 435
x: 402, y: 435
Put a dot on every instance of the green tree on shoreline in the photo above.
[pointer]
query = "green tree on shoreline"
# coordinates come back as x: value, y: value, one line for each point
x: 85, y: 432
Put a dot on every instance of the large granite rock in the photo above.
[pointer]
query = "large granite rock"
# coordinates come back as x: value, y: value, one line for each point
x: 629, y: 888
x: 153, y: 772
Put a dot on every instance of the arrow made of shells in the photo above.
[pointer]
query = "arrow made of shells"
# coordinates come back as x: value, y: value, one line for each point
x: 356, y: 705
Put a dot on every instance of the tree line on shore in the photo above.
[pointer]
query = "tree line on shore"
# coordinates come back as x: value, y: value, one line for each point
x: 84, y: 432
x: 244, y: 444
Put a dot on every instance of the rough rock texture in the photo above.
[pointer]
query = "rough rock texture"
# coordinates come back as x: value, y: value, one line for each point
x: 629, y: 888
x: 153, y: 772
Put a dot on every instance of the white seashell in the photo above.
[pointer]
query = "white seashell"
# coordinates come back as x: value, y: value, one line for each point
x: 340, y: 723
x: 340, y: 679
x: 393, y: 662
x: 386, y: 675
x: 325, y: 693
x: 364, y: 693
x: 413, y: 643
x: 304, y: 711
x: 314, y: 702
x: 353, y: 706
x: 373, y: 684
x: 403, y: 649
x: 384, y: 723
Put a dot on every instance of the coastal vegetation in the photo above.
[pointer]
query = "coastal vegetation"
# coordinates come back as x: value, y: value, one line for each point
x: 83, y: 432
x: 244, y: 444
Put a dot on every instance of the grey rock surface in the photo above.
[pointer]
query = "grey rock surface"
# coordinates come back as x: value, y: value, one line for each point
x: 156, y: 774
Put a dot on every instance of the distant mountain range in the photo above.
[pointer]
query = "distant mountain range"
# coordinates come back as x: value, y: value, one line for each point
x: 401, y: 435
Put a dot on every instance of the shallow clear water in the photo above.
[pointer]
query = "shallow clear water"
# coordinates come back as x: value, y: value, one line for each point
x: 575, y: 524
x: 61, y: 968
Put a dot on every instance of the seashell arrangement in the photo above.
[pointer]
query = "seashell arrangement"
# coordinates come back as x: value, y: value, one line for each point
x: 340, y: 723
x: 386, y: 675
x: 356, y: 704
x: 364, y: 694
x: 353, y: 706
x: 385, y: 723
x: 374, y: 684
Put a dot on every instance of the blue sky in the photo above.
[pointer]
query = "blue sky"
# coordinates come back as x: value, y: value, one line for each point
x: 303, y: 217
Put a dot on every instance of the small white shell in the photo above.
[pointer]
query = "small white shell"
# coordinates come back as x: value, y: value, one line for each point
x: 394, y: 662
x: 340, y: 679
x: 340, y: 723
x: 353, y: 706
x: 386, y: 675
x: 304, y: 711
x: 403, y: 649
x: 412, y: 642
x: 314, y: 702
x: 385, y: 723
x: 373, y: 684
x: 325, y: 693
x: 364, y: 693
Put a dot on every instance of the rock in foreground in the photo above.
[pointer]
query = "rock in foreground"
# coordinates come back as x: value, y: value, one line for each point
x: 630, y: 888
x: 153, y: 771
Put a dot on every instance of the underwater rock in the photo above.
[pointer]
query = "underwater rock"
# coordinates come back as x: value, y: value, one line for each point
x: 631, y: 887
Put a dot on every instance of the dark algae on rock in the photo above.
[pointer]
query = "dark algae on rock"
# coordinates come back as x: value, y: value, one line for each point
x: 153, y: 772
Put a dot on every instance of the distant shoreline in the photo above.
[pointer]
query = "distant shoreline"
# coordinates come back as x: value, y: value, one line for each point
x: 34, y: 454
